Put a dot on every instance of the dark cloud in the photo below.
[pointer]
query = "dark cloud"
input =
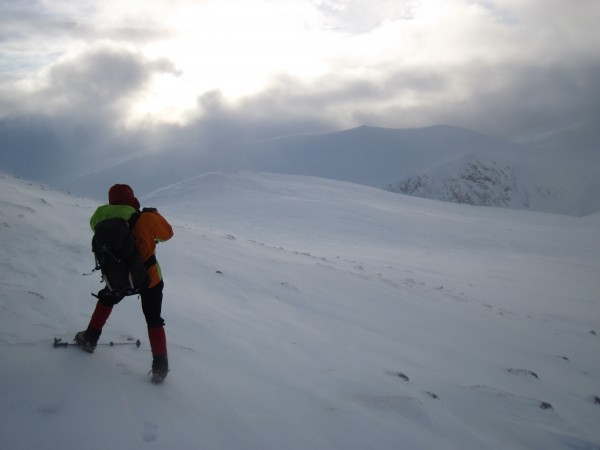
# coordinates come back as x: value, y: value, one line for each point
x: 219, y: 123
x: 97, y: 85
x: 35, y: 22
x: 101, y: 78
x: 504, y: 100
x: 77, y: 116
x: 517, y: 101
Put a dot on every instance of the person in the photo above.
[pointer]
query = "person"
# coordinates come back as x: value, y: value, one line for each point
x: 149, y: 229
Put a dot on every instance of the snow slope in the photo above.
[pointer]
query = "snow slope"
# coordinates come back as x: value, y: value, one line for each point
x: 305, y: 313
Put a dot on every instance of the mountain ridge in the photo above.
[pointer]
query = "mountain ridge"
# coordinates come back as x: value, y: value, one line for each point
x: 549, y: 175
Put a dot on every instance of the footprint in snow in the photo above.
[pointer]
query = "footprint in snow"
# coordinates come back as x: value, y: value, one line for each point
x: 150, y: 432
x: 398, y: 375
x: 49, y: 409
x: 124, y: 368
x: 523, y: 372
x: 289, y: 286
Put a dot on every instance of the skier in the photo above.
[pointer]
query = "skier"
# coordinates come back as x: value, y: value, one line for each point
x: 149, y: 229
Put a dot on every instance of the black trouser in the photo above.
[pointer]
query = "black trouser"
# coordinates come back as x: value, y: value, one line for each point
x: 151, y: 303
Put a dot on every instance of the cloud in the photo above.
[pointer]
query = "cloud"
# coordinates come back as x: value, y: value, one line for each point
x: 104, y: 77
x: 100, y: 81
x: 74, y: 113
x: 359, y: 16
x: 73, y: 74
x: 36, y: 34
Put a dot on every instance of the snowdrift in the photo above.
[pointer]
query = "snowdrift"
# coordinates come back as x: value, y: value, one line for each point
x: 306, y: 313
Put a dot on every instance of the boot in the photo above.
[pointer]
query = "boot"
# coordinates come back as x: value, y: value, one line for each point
x: 87, y: 340
x: 158, y: 345
x: 160, y: 368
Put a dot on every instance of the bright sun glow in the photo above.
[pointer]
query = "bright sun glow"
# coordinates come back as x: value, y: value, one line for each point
x: 239, y: 47
x: 235, y: 50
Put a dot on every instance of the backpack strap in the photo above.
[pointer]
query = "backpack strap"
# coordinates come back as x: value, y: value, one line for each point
x: 133, y: 219
x: 150, y: 262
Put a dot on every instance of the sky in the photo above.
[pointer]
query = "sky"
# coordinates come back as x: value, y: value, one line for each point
x: 87, y: 73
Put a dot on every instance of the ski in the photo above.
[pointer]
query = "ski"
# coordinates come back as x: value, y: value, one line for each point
x: 58, y: 342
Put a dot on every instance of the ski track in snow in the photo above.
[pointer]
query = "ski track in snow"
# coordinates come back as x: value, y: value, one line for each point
x: 305, y: 313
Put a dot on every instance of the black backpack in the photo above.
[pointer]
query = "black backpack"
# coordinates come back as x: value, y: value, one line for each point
x: 118, y: 258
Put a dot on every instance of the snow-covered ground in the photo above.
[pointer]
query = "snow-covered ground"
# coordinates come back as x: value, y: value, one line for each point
x: 306, y: 314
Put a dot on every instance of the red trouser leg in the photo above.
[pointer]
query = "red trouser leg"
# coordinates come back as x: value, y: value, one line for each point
x: 158, y: 341
x: 99, y: 316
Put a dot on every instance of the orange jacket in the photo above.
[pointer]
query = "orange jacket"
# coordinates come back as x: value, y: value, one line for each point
x: 149, y: 229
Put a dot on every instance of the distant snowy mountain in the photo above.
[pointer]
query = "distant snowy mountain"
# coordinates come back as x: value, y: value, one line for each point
x: 481, y: 181
x: 473, y: 181
x: 365, y: 155
x: 373, y: 156
x: 450, y: 164
x: 556, y: 172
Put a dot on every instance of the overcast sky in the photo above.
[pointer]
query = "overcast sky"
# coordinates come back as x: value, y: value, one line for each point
x: 268, y: 67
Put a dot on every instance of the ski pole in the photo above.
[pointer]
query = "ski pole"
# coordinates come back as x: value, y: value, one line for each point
x: 60, y: 343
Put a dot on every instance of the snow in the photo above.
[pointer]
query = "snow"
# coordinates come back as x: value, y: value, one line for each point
x: 304, y: 313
